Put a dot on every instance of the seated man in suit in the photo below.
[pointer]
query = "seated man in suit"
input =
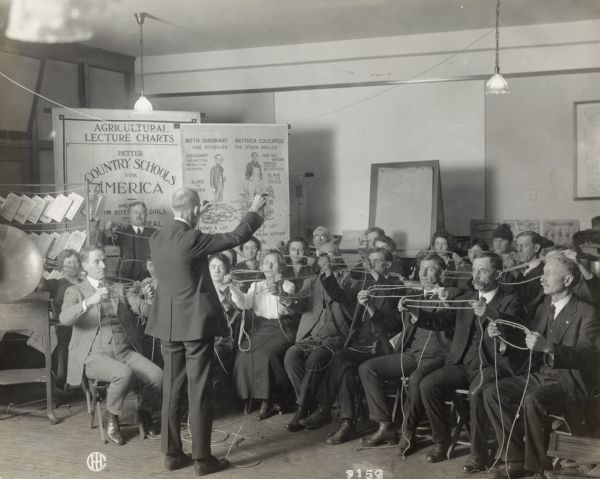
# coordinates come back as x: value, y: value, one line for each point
x: 104, y: 343
x: 368, y: 337
x: 322, y: 331
x: 418, y: 352
x: 562, y: 336
x: 470, y: 360
x: 132, y: 241
x: 529, y: 246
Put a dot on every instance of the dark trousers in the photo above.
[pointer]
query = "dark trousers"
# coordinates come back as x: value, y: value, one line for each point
x: 306, y: 370
x: 440, y: 386
x: 191, y: 362
x: 374, y: 372
x: 340, y: 381
x: 531, y: 434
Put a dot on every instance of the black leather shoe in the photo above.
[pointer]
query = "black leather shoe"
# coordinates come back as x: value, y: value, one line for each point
x: 437, y: 452
x: 151, y: 429
x: 210, y: 465
x: 177, y: 462
x: 386, y: 434
x: 318, y: 418
x: 474, y: 464
x: 267, y: 410
x: 343, y: 434
x: 294, y: 425
x: 111, y: 426
x: 407, y: 444
x: 515, y: 470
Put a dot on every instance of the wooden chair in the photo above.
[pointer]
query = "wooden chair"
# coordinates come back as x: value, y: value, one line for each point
x: 95, y: 393
x: 459, y: 409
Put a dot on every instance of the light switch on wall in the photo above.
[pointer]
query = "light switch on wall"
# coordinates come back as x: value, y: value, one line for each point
x: 532, y: 195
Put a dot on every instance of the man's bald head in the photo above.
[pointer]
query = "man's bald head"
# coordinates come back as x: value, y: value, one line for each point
x: 185, y: 203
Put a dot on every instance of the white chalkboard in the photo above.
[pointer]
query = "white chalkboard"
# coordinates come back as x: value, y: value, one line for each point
x: 406, y: 202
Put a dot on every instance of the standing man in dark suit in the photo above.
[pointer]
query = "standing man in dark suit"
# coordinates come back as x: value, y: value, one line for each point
x: 132, y: 241
x: 563, y: 374
x: 470, y: 360
x: 186, y: 316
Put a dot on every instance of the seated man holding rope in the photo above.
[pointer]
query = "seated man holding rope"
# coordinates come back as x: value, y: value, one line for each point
x: 368, y: 337
x: 323, y: 329
x: 418, y: 352
x: 470, y: 361
x: 104, y: 343
x: 558, y: 379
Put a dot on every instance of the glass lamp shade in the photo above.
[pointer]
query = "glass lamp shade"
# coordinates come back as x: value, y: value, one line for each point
x: 143, y: 105
x: 50, y: 21
x: 496, y: 85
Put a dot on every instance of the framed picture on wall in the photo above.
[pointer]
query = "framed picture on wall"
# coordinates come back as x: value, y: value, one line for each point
x: 587, y: 150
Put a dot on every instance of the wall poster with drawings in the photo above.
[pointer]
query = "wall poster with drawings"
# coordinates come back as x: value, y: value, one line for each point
x: 560, y: 232
x: 229, y: 164
x: 587, y: 149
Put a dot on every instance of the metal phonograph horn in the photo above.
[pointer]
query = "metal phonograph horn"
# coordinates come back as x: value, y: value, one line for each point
x: 21, y: 264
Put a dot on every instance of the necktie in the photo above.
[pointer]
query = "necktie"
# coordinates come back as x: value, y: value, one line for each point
x: 552, y: 312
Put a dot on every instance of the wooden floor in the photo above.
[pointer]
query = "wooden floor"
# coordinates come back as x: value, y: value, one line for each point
x: 30, y: 447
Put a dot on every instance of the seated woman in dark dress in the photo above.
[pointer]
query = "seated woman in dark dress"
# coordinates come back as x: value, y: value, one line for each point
x: 225, y: 346
x: 258, y: 370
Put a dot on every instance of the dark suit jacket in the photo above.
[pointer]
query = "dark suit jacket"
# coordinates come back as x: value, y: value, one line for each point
x: 381, y: 327
x: 578, y: 326
x: 86, y: 324
x: 409, y: 329
x: 530, y: 293
x: 135, y: 250
x: 322, y: 317
x: 504, y: 305
x: 186, y: 306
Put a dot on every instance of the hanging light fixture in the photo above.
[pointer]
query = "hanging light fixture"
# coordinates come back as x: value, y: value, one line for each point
x: 142, y: 104
x: 51, y: 21
x: 497, y: 84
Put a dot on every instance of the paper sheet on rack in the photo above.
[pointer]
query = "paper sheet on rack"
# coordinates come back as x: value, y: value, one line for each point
x: 27, y: 204
x: 45, y: 243
x: 54, y: 249
x: 60, y: 207
x: 10, y: 206
x: 77, y: 201
x: 45, y: 216
x: 76, y: 241
x: 38, y: 209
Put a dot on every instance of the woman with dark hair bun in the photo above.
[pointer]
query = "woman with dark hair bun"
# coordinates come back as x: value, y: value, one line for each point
x: 219, y: 267
x: 297, y: 270
x: 250, y: 262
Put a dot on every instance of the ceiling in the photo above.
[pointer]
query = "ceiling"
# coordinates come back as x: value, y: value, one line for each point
x: 203, y: 25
